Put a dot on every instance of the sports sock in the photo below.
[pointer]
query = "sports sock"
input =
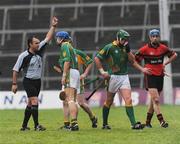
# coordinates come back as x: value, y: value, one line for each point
x: 148, y: 118
x: 66, y: 123
x: 27, y: 115
x: 130, y: 114
x: 73, y: 122
x: 160, y: 118
x: 105, y: 115
x: 92, y: 118
x: 34, y: 110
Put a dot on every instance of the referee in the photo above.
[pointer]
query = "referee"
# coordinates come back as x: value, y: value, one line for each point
x: 30, y: 61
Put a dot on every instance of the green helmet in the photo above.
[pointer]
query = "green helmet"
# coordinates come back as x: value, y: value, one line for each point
x: 122, y: 34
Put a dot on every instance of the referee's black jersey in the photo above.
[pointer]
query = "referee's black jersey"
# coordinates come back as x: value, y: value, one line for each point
x: 31, y: 63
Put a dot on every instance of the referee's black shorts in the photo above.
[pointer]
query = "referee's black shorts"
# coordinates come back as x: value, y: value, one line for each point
x: 32, y: 87
x: 152, y: 81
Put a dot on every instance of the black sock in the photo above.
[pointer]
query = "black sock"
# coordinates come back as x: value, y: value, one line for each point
x: 27, y: 115
x: 148, y: 118
x: 105, y: 115
x: 34, y: 110
x: 160, y: 118
x: 92, y: 118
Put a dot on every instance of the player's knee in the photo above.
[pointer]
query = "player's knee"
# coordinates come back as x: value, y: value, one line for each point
x: 128, y: 101
x: 69, y: 98
x: 156, y: 101
x: 70, y: 102
x: 34, y: 102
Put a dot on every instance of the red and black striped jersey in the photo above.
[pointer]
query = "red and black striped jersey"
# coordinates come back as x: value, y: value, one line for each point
x: 154, y: 57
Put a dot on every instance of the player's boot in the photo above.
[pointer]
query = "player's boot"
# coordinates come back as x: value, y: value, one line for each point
x: 25, y: 129
x: 164, y: 124
x: 39, y: 128
x: 106, y: 127
x: 94, y: 122
x: 74, y: 127
x: 137, y: 126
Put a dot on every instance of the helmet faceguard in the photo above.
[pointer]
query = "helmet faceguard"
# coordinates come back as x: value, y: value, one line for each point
x: 122, y: 35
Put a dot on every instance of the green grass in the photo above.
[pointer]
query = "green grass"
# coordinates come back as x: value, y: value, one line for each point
x: 10, y: 122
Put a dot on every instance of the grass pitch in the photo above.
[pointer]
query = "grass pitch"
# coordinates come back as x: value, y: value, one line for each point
x: 10, y: 123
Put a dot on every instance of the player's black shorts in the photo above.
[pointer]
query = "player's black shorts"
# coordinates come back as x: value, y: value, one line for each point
x: 152, y: 81
x: 32, y: 87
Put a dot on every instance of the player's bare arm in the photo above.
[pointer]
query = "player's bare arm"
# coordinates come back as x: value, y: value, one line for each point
x: 131, y: 58
x: 104, y: 74
x: 65, y: 72
x: 172, y: 58
x: 86, y: 71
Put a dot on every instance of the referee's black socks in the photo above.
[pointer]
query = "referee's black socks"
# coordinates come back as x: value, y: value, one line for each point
x: 27, y: 115
x: 149, y: 118
x: 34, y: 110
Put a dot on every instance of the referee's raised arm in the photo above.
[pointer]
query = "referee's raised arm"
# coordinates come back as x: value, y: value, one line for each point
x: 51, y: 31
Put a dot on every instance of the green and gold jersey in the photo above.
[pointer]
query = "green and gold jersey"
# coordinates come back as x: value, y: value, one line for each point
x: 68, y: 54
x: 116, y: 57
x: 83, y: 60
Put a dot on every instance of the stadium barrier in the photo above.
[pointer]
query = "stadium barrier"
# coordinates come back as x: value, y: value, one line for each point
x: 50, y: 99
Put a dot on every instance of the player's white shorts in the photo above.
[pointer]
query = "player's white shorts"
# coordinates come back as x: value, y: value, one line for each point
x: 74, y: 80
x: 118, y: 82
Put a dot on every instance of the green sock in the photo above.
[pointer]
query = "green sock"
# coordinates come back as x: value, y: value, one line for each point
x: 105, y: 115
x: 130, y: 114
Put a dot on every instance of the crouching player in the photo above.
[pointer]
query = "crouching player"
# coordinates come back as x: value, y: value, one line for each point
x: 71, y: 76
x: 84, y: 66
